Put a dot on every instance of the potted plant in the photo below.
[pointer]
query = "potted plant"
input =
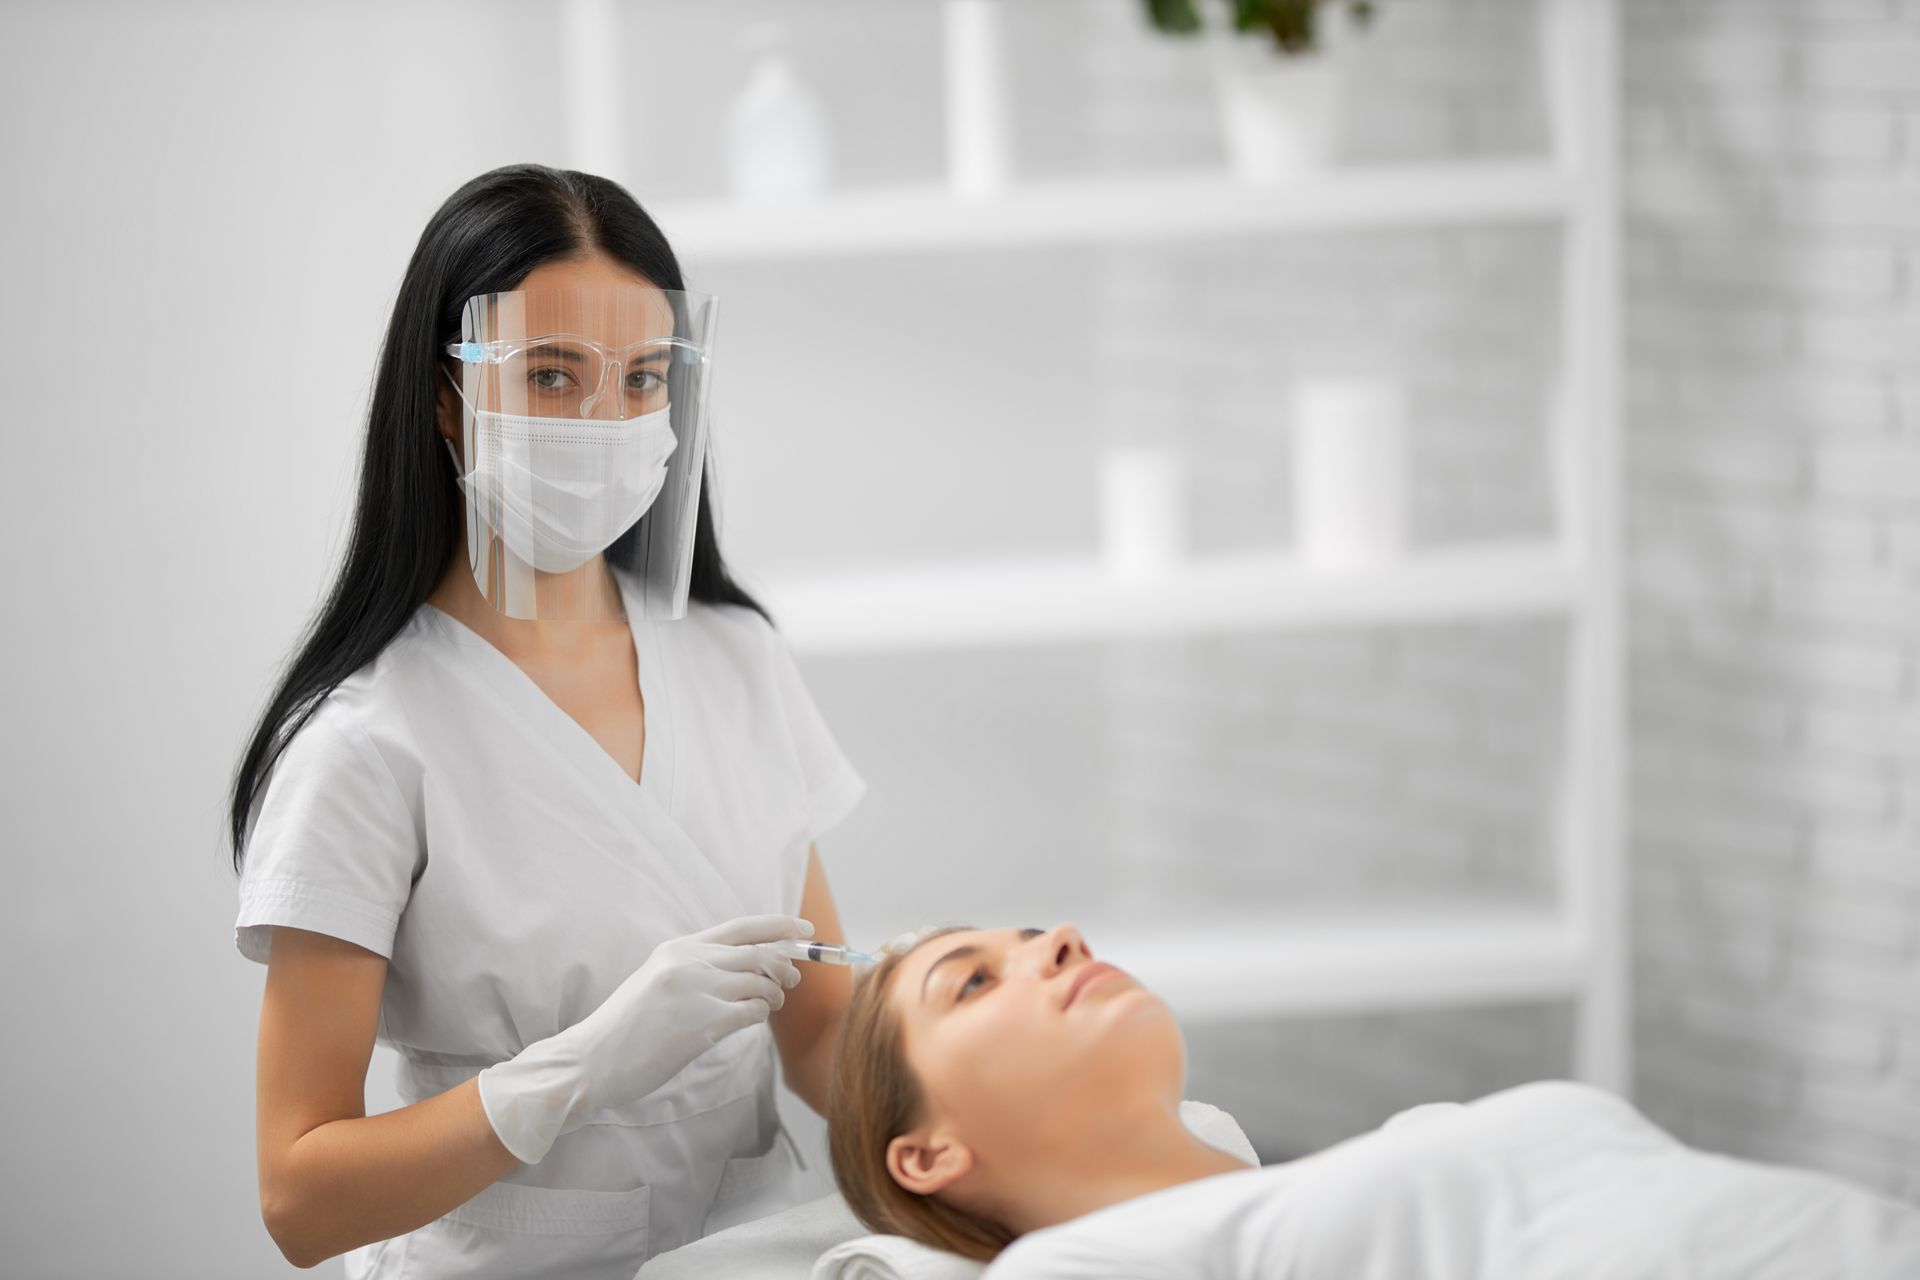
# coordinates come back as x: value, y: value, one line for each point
x: 1277, y: 78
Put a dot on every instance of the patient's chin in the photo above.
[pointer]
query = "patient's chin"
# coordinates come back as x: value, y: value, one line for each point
x: 1131, y: 1036
x: 1131, y: 1009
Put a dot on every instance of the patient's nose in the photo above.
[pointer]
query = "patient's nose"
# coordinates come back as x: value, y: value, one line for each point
x: 1059, y: 947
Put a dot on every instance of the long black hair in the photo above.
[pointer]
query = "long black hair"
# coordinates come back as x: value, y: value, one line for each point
x: 487, y: 237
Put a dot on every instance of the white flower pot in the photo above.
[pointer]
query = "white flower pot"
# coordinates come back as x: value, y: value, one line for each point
x: 1279, y: 113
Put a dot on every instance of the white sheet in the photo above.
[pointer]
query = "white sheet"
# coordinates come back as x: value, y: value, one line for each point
x: 823, y: 1239
x: 1548, y: 1181
x: 781, y: 1246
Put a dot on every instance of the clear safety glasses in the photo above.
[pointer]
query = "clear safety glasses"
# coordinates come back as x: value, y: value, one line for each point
x: 567, y: 375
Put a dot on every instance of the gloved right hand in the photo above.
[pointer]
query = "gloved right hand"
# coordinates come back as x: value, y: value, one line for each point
x: 692, y: 992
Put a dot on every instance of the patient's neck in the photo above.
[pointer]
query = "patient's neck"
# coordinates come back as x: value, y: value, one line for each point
x: 1126, y: 1156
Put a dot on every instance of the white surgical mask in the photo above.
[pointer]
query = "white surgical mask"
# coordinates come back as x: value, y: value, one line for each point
x: 560, y: 490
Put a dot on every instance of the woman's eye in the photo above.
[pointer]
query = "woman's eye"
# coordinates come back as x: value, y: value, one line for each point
x: 645, y: 380
x: 966, y: 988
x: 549, y: 379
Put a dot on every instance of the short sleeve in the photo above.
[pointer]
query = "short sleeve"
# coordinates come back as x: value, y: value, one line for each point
x: 333, y: 846
x: 833, y: 787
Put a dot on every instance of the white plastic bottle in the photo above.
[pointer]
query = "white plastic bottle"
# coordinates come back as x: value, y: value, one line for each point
x: 778, y: 146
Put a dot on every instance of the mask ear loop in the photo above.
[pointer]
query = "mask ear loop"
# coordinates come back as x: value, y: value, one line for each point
x: 461, y: 474
x: 459, y: 468
x: 458, y: 390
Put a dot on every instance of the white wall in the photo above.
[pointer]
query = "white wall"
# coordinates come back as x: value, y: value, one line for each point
x: 208, y: 208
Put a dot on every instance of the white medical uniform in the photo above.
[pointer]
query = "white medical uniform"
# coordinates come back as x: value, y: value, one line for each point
x: 441, y: 810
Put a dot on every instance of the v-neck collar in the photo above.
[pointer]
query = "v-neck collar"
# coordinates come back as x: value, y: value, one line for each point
x: 657, y: 771
x: 677, y: 869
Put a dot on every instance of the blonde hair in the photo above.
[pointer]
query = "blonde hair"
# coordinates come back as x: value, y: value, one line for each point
x: 874, y: 1098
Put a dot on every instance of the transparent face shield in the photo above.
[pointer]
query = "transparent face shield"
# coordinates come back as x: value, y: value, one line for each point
x: 583, y: 447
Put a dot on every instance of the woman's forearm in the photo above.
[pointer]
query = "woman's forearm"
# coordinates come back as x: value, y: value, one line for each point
x: 350, y: 1182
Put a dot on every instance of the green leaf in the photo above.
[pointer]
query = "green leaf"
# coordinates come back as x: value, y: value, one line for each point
x: 1176, y: 16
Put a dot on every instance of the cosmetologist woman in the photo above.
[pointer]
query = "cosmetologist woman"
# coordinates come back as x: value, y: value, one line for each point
x: 537, y: 787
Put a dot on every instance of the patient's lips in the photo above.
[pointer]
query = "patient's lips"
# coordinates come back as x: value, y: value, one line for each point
x: 1086, y: 976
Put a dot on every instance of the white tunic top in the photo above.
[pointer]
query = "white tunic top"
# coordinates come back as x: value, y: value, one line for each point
x: 1547, y: 1181
x: 441, y: 810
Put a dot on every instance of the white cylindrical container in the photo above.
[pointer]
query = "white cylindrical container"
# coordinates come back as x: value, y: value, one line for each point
x: 1142, y: 512
x: 1349, y: 472
x: 977, y: 116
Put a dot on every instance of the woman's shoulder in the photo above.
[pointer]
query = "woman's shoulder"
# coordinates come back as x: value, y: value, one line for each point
x: 383, y: 676
x: 372, y: 702
x: 735, y: 634
x: 1155, y: 1236
x: 727, y: 617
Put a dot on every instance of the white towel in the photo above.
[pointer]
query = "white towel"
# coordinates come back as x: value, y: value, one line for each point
x: 893, y: 1258
x: 1217, y: 1129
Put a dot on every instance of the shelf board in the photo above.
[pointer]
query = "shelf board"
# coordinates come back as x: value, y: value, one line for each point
x: 1065, y: 600
x: 1365, y: 962
x: 1117, y: 209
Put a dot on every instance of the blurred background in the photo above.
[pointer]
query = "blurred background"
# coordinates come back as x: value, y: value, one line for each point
x: 1414, y: 544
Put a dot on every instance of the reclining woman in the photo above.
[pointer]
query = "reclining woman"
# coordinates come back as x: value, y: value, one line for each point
x: 1003, y: 1095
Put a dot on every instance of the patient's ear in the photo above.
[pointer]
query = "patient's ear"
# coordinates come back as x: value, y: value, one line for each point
x: 927, y: 1160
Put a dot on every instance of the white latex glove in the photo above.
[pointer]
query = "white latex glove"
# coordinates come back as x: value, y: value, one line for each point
x: 692, y: 992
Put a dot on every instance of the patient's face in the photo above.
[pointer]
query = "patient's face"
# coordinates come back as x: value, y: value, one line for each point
x: 1020, y: 1037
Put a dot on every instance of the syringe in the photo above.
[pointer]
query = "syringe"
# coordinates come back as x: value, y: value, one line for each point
x: 818, y: 952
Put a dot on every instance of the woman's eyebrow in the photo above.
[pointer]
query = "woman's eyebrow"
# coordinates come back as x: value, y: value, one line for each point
x: 959, y: 952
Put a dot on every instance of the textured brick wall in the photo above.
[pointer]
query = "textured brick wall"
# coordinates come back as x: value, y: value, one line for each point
x: 1773, y: 454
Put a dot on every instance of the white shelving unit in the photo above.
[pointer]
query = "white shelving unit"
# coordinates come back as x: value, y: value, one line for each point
x: 1038, y: 601
x: 1354, y: 962
x: 1131, y: 209
x: 1461, y: 954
